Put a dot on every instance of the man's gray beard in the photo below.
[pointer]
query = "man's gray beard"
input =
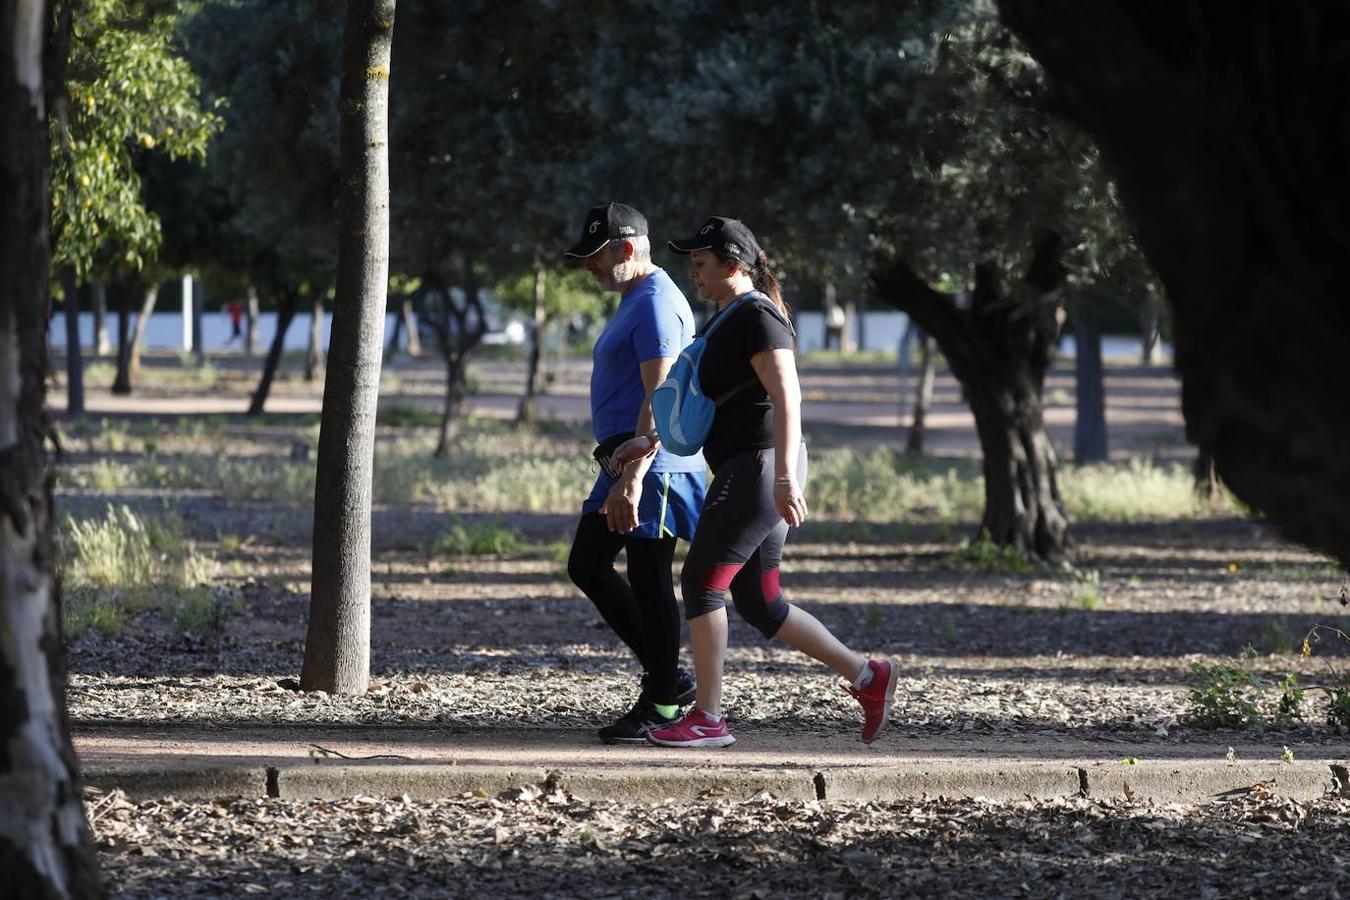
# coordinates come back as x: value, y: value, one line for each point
x: 620, y: 274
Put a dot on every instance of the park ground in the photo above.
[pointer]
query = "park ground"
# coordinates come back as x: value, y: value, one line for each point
x: 1169, y: 642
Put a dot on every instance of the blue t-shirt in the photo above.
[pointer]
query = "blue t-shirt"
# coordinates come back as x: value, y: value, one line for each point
x: 653, y: 320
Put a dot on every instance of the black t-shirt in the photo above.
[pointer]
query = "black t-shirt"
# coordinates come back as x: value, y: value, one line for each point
x: 745, y: 421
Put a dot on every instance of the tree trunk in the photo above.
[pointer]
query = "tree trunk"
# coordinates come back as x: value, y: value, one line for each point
x: 122, y: 381
x: 1150, y: 321
x: 1000, y: 349
x: 1089, y: 428
x: 314, y: 355
x: 337, y: 644
x: 392, y: 346
x: 198, y: 301
x: 148, y: 300
x: 1206, y: 477
x: 74, y: 359
x: 923, y: 395
x: 102, y: 344
x: 528, y: 411
x: 1225, y: 135
x: 409, y: 317
x: 453, y: 414
x: 251, y: 327
x: 46, y: 850
x: 285, y: 314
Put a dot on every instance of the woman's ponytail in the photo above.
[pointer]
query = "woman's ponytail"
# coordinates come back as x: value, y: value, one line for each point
x: 767, y: 283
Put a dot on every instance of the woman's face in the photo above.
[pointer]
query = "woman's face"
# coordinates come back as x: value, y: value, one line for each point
x: 712, y: 277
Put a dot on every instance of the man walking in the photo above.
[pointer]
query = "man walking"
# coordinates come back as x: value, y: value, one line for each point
x: 645, y: 507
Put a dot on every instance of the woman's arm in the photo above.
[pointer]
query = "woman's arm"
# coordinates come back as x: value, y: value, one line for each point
x: 777, y: 371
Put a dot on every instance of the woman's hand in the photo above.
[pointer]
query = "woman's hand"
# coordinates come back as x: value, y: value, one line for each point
x: 632, y: 450
x: 789, y: 501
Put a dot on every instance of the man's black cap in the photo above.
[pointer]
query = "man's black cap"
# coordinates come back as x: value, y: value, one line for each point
x: 725, y: 237
x: 613, y: 221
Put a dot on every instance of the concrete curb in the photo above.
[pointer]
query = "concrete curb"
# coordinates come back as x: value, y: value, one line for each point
x: 1161, y: 782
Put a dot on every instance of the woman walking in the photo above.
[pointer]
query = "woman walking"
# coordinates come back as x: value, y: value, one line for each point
x: 755, y: 450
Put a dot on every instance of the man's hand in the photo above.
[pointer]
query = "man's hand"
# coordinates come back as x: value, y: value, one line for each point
x: 621, y: 506
x: 632, y: 450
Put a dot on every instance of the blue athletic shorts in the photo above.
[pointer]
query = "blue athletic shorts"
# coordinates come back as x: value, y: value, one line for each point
x: 669, y: 506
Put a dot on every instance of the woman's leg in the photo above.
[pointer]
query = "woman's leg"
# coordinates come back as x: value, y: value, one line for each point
x: 708, y: 635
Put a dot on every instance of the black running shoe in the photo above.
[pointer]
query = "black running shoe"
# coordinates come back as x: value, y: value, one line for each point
x: 684, y: 688
x: 632, y: 726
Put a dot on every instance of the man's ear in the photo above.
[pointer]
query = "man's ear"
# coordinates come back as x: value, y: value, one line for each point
x: 629, y: 251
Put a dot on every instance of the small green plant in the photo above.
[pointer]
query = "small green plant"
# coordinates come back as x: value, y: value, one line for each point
x: 983, y: 555
x: 1130, y: 761
x: 1289, y: 709
x: 1087, y: 592
x: 1223, y: 696
x: 1287, y: 755
x: 479, y: 539
x: 872, y: 615
x: 1231, y: 755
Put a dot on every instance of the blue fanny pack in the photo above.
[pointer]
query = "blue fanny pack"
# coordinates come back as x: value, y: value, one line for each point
x: 683, y: 413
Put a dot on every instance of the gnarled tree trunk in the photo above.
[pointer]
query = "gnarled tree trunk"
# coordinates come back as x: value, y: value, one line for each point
x: 459, y: 330
x: 46, y: 850
x: 1000, y: 349
x: 1225, y: 131
x: 337, y: 643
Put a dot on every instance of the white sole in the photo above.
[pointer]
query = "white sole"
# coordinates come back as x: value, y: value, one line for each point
x: 725, y: 740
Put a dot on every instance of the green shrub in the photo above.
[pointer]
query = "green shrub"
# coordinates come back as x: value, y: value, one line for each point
x: 983, y: 555
x: 1223, y: 696
x: 124, y: 564
x: 479, y: 539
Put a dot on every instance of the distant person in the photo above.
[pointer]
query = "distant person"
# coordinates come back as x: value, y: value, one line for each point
x: 644, y: 508
x: 759, y: 470
x: 235, y: 309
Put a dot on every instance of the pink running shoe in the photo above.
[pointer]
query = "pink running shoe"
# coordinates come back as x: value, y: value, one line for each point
x: 696, y: 729
x: 876, y: 698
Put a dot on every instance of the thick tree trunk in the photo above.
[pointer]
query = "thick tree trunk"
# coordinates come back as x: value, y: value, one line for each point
x: 337, y: 644
x: 1225, y: 132
x: 46, y: 850
x: 251, y: 322
x: 102, y: 343
x: 74, y: 358
x: 1000, y: 349
x: 314, y: 354
x: 1089, y: 428
x: 528, y: 411
x: 1150, y: 324
x: 923, y: 395
x: 122, y: 380
x: 285, y: 315
x: 148, y: 300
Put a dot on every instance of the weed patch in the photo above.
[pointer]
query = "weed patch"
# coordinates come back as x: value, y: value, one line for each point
x: 479, y: 539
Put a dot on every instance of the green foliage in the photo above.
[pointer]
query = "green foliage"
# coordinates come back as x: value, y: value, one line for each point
x: 567, y: 290
x: 1223, y: 696
x: 479, y: 539
x: 123, y: 564
x: 983, y: 555
x: 1087, y: 593
x: 129, y: 93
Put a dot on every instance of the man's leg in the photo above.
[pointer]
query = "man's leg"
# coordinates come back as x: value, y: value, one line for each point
x: 649, y: 564
x: 591, y: 568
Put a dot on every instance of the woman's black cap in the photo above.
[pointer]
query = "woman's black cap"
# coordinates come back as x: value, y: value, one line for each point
x: 725, y: 237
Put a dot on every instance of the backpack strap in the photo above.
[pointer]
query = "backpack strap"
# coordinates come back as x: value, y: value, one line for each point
x: 773, y: 308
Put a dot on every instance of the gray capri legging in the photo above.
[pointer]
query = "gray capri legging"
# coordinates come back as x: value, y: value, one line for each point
x: 738, y: 544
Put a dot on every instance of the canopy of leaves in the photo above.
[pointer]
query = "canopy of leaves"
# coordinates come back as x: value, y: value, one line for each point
x: 129, y: 93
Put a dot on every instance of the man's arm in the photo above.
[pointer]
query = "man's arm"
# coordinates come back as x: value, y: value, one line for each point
x: 621, y: 506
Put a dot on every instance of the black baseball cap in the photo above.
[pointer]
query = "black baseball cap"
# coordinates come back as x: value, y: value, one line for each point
x: 612, y: 221
x: 725, y: 237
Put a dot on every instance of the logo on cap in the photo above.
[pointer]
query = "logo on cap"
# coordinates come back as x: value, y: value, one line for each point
x: 734, y: 248
x: 594, y: 226
x: 707, y: 228
x: 627, y: 229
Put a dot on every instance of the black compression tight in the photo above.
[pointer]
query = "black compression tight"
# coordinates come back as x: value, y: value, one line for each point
x: 641, y: 608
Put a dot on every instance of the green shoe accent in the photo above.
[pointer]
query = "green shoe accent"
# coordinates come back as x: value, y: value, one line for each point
x: 668, y: 712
